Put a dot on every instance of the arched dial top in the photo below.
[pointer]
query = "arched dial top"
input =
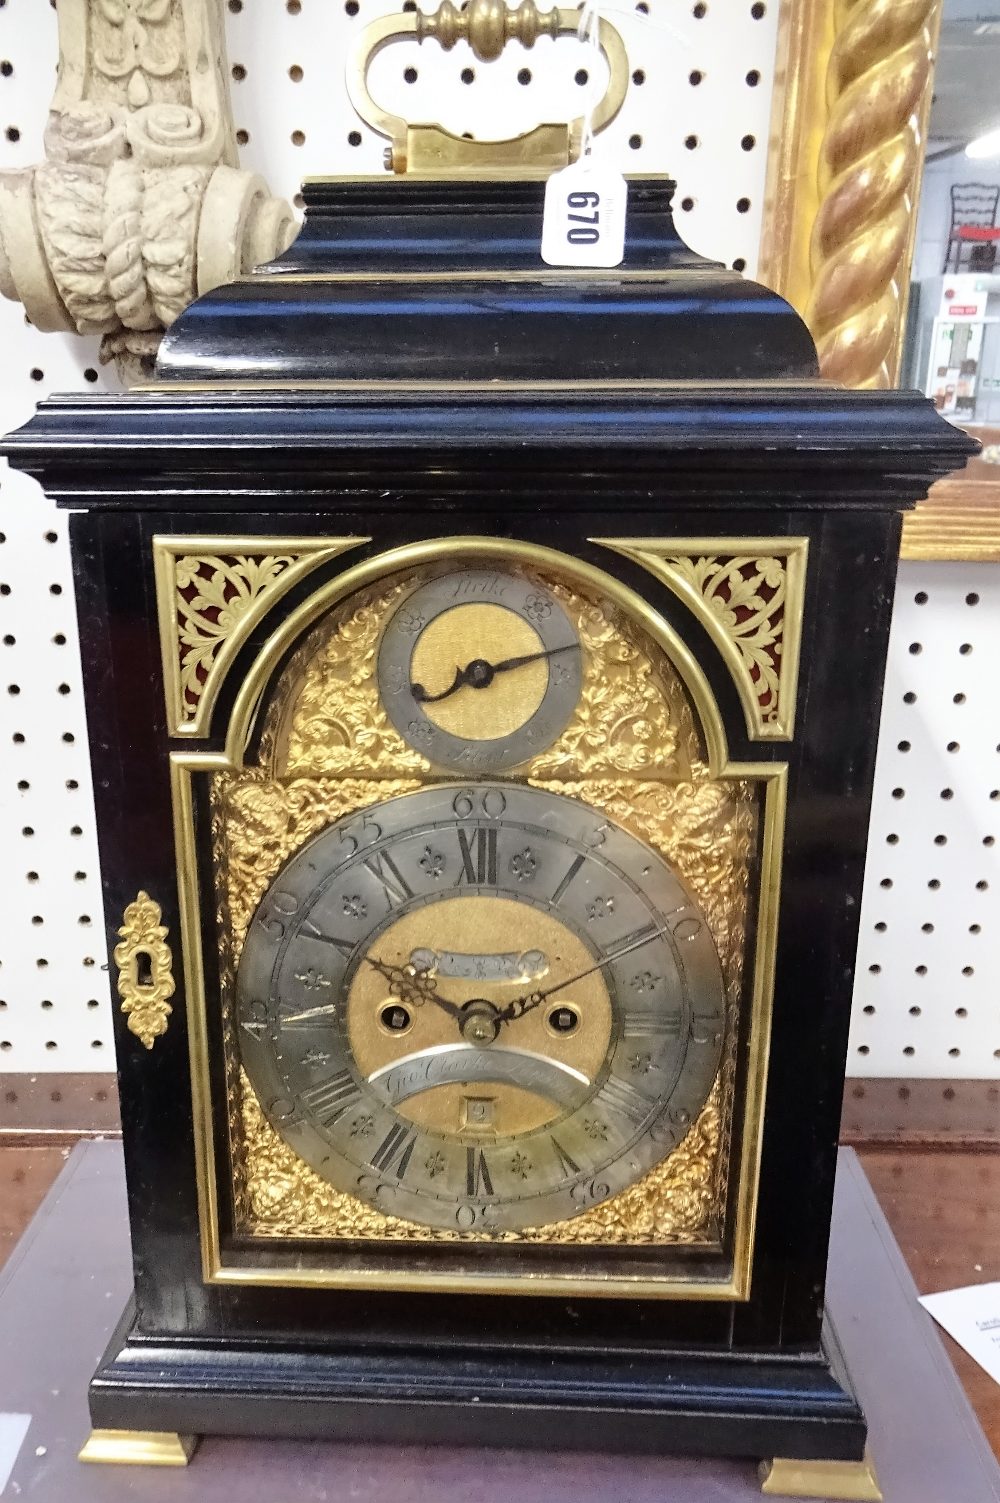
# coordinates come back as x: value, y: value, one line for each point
x: 480, y: 669
x: 480, y: 1008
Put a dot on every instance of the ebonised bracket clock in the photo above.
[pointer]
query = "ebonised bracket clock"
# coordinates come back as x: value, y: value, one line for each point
x: 483, y: 665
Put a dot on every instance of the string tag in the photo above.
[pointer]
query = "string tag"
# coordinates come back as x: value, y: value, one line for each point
x: 585, y: 204
x: 584, y: 220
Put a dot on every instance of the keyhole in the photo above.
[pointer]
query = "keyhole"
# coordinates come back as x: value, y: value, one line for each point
x: 143, y: 968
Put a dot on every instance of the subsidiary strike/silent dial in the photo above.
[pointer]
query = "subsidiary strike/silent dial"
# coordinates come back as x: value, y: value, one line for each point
x: 480, y: 670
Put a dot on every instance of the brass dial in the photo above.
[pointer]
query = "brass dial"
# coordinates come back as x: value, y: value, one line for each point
x: 480, y: 1008
x: 480, y: 669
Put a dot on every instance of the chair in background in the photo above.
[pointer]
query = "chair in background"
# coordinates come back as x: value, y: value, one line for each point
x: 973, y: 223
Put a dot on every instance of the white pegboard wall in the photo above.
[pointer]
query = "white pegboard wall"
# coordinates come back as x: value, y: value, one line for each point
x: 927, y: 994
x: 699, y: 108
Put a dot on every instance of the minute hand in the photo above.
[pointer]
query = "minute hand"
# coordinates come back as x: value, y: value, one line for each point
x: 479, y: 674
x: 532, y: 657
x: 521, y: 1005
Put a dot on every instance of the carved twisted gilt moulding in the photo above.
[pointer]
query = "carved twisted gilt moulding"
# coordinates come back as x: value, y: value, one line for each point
x: 144, y: 991
x: 140, y: 205
x: 852, y: 97
x: 294, y: 783
x: 853, y: 89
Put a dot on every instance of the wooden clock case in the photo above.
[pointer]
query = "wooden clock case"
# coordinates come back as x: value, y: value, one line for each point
x: 409, y: 371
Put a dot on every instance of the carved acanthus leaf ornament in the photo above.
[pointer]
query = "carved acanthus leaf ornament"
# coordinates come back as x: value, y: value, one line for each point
x: 140, y: 205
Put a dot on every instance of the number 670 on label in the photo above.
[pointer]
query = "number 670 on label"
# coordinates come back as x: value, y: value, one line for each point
x: 584, y: 222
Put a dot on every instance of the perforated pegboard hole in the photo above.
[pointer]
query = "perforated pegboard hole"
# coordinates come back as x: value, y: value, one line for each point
x: 942, y: 732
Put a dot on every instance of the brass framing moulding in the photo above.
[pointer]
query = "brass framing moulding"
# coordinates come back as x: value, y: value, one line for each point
x: 403, y: 387
x: 185, y: 767
x: 144, y: 990
x: 768, y: 640
x: 138, y: 1448
x: 572, y: 274
x: 846, y: 1481
x: 239, y: 586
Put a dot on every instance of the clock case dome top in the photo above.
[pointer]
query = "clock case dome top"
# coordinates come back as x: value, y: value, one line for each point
x: 415, y: 315
x: 429, y: 280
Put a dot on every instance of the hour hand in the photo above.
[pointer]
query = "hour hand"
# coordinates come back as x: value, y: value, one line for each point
x: 422, y: 697
x: 411, y: 985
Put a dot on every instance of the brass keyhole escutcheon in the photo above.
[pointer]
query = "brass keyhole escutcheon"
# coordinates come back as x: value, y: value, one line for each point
x: 145, y: 970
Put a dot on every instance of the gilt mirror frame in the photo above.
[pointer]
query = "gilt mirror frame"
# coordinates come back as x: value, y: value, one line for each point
x: 852, y: 98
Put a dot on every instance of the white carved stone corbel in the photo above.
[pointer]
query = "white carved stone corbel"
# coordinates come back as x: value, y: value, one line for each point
x: 140, y: 205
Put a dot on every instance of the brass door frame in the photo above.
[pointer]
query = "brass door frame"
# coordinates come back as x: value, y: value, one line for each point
x: 186, y: 767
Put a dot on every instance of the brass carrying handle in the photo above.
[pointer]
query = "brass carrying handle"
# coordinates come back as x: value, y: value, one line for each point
x: 487, y: 25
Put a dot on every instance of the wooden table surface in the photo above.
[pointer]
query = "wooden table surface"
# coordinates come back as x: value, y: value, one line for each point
x: 943, y: 1206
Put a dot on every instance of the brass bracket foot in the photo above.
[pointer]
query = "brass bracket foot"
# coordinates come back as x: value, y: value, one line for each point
x: 852, y: 1481
x: 139, y: 1448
